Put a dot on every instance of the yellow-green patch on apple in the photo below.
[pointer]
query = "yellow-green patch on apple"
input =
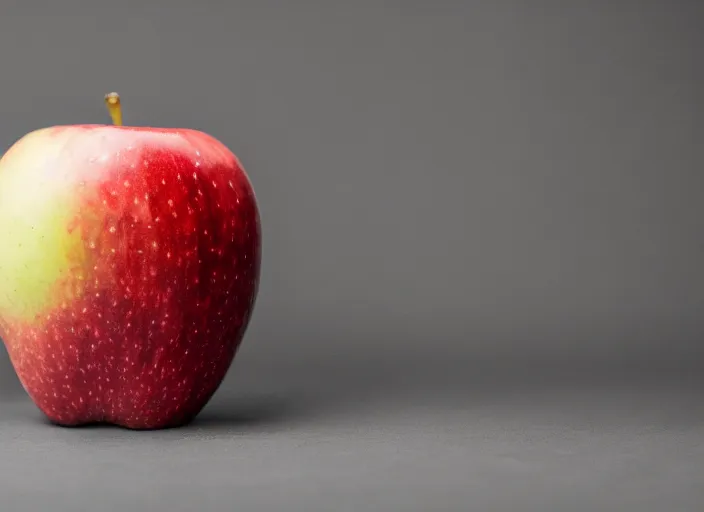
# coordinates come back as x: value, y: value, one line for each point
x: 42, y: 261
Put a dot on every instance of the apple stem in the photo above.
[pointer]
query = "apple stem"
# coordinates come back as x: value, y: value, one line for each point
x: 112, y: 100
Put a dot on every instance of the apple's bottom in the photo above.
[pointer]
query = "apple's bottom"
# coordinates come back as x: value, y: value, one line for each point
x: 181, y: 420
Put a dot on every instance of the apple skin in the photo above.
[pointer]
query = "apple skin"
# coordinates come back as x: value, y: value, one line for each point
x: 129, y: 270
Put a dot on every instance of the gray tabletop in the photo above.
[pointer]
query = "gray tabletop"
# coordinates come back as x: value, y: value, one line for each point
x: 484, y: 447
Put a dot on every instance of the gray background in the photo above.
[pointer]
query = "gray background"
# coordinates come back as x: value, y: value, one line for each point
x: 483, y: 238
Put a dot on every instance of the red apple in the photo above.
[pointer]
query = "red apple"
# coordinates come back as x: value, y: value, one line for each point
x: 129, y: 269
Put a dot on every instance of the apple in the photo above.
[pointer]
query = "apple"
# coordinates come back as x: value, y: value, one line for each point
x: 129, y: 270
